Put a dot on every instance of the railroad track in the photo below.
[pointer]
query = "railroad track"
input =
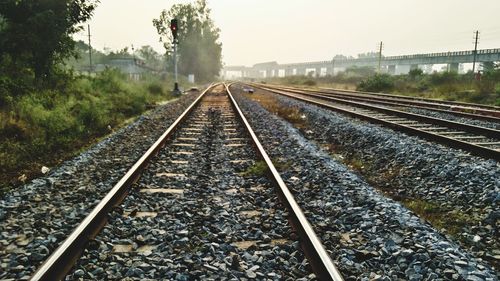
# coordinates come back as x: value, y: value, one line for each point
x: 170, y: 192
x: 478, y: 140
x: 471, y: 111
x: 476, y: 110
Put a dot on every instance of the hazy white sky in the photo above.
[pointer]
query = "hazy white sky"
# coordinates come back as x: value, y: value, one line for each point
x: 254, y: 31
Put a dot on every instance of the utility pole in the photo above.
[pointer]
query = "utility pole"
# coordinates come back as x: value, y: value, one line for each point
x: 475, y: 52
x: 380, y: 55
x: 333, y: 67
x: 90, y: 51
x: 133, y: 54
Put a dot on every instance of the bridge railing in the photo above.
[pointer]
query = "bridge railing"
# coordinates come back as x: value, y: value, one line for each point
x: 369, y: 60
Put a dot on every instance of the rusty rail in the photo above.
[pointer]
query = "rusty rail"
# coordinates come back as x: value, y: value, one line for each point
x: 64, y: 257
x: 473, y: 113
x: 455, y: 143
x: 320, y: 261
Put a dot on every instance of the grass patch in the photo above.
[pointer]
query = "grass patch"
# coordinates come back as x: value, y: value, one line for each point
x: 45, y: 127
x: 271, y: 104
x: 258, y: 169
x: 450, y: 221
x: 355, y: 164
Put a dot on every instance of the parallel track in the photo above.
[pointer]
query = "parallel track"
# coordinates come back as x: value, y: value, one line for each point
x: 471, y: 112
x: 64, y: 257
x: 479, y: 109
x: 480, y: 141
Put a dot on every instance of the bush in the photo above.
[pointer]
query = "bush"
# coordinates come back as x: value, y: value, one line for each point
x: 438, y: 78
x: 423, y: 85
x: 93, y: 113
x: 415, y: 73
x: 129, y: 103
x: 43, y: 126
x: 309, y: 82
x: 109, y: 81
x: 377, y: 83
x: 155, y: 88
x: 486, y: 86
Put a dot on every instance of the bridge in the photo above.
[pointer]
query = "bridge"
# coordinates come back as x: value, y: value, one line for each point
x: 390, y: 64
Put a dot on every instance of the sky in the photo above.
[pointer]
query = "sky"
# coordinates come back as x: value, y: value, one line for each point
x: 287, y: 31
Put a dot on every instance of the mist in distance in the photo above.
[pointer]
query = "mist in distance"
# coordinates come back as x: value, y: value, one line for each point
x: 254, y: 31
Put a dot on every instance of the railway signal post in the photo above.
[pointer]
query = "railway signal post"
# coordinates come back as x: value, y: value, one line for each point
x: 174, y: 28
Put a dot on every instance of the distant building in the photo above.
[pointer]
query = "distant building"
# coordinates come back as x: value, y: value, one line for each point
x: 132, y: 67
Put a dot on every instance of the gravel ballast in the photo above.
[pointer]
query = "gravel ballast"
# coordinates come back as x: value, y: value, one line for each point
x: 463, y: 188
x: 369, y: 235
x: 455, y: 118
x: 38, y: 216
x: 198, y: 213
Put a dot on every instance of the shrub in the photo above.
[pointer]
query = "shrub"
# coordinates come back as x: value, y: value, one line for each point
x: 423, y: 85
x: 93, y: 113
x: 109, y: 81
x: 438, y: 78
x: 155, y: 88
x: 40, y: 124
x: 446, y: 89
x: 309, y: 82
x: 11, y: 128
x: 415, y: 73
x: 486, y: 86
x: 377, y: 83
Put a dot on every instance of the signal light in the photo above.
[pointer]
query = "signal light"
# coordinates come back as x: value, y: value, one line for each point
x: 174, y: 28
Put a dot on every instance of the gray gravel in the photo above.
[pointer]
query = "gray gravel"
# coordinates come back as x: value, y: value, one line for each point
x: 369, y: 235
x: 455, y: 118
x: 36, y: 217
x: 442, y: 115
x: 431, y: 113
x: 202, y: 230
x: 411, y: 168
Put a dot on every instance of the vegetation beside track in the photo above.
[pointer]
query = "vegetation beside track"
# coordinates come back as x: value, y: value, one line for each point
x: 439, y: 85
x: 48, y: 113
x: 46, y: 126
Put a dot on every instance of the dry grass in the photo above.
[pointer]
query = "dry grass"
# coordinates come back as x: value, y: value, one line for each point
x: 448, y: 221
x: 271, y: 104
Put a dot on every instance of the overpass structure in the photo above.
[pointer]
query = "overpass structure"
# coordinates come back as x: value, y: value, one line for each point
x: 391, y: 64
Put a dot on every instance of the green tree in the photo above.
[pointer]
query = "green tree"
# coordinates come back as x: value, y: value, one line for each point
x: 151, y: 57
x: 200, y: 52
x: 120, y: 54
x: 489, y: 66
x: 35, y: 35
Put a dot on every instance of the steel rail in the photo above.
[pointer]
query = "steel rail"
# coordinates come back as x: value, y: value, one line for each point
x: 455, y: 143
x: 465, y: 105
x: 437, y: 121
x: 64, y: 257
x: 405, y: 103
x: 319, y: 259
